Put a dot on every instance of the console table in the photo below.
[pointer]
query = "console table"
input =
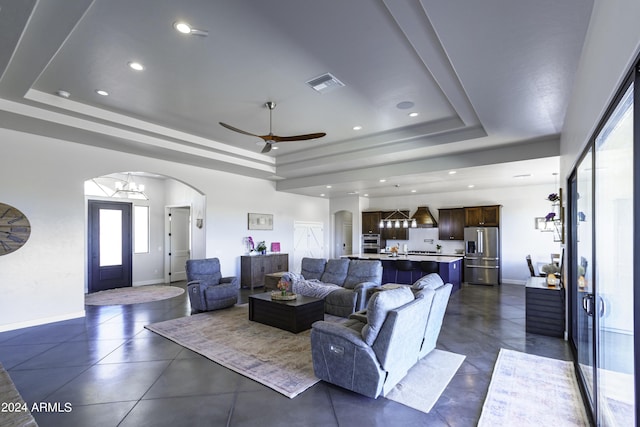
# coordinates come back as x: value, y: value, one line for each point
x: 254, y: 268
x: 544, y: 308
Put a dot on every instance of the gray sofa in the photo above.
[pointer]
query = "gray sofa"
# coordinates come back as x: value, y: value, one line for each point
x: 353, y: 277
x: 376, y: 347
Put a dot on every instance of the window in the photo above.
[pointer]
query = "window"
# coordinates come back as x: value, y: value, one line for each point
x: 141, y: 229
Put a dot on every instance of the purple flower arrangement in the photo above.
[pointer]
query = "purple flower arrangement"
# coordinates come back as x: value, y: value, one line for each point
x: 553, y: 197
x: 250, y: 242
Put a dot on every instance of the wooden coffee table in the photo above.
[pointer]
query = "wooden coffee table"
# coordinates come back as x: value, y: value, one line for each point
x: 294, y: 316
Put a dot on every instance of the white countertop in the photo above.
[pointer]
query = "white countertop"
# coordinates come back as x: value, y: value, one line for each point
x: 417, y: 258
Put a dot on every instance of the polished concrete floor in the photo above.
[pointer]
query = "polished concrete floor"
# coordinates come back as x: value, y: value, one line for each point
x: 113, y: 372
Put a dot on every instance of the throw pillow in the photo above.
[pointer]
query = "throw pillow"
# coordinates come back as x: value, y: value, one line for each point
x: 430, y: 281
x: 379, y: 305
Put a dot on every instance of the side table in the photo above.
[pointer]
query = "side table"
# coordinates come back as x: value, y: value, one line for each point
x: 544, y: 308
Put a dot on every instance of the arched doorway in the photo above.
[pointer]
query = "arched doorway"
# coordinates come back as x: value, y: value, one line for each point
x: 156, y: 241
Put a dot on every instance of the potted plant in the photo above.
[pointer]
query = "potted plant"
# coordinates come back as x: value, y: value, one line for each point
x: 438, y: 248
x: 262, y: 247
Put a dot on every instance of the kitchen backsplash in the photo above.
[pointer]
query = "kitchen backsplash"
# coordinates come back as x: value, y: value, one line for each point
x: 426, y: 239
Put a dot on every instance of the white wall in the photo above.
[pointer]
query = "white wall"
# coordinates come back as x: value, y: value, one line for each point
x: 520, y: 205
x: 45, y: 280
x: 612, y: 45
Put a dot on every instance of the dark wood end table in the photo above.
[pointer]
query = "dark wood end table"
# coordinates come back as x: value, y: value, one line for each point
x: 294, y: 316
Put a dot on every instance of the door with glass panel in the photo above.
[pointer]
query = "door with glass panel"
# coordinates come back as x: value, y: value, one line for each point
x: 109, y: 234
x: 581, y: 272
x: 614, y: 254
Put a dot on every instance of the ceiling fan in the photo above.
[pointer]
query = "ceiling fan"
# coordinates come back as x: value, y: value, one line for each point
x: 271, y: 139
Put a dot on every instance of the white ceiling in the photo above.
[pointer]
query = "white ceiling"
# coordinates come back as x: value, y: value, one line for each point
x: 490, y: 80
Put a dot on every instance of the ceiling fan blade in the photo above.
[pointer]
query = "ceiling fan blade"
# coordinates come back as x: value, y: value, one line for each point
x: 277, y: 138
x: 266, y: 148
x: 238, y: 130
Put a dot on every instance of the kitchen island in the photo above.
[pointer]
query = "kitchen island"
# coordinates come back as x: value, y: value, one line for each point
x: 449, y: 267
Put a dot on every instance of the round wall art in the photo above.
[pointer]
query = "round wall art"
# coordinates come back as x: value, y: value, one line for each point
x: 14, y: 229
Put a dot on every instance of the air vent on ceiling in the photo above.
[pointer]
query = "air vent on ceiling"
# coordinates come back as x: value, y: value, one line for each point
x: 325, y: 83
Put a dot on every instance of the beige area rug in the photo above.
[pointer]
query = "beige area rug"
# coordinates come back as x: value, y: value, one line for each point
x: 133, y: 295
x: 426, y: 380
x: 14, y: 412
x: 529, y: 390
x: 281, y: 360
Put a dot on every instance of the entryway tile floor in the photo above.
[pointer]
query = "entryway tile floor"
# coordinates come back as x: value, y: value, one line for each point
x: 114, y: 372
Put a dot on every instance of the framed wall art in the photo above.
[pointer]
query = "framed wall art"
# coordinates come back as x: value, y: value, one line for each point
x: 259, y: 221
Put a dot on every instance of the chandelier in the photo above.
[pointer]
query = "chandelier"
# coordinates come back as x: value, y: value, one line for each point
x: 392, y: 220
x: 129, y: 189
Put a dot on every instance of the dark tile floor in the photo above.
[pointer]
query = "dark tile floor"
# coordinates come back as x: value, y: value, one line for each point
x: 114, y: 372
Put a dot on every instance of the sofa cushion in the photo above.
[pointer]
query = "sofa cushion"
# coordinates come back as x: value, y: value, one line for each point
x: 379, y: 305
x: 312, y: 268
x: 335, y: 271
x: 361, y: 270
x: 430, y: 281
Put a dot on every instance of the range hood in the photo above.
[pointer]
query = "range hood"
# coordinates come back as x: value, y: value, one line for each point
x: 424, y: 218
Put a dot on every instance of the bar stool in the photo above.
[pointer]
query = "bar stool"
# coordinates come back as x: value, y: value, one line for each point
x: 404, y: 267
x: 428, y: 267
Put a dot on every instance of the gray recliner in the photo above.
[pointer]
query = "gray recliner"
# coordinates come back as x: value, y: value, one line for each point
x: 371, y: 358
x: 208, y: 290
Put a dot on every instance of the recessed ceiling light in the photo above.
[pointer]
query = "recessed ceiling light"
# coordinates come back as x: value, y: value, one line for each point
x: 182, y: 27
x: 357, y: 127
x: 136, y: 66
x: 322, y: 195
x: 414, y: 114
x: 470, y: 185
x: 102, y: 92
x: 452, y: 172
x: 328, y: 186
x: 383, y: 180
x: 63, y: 94
x: 414, y: 191
x: 366, y: 194
x: 185, y: 28
x: 275, y: 148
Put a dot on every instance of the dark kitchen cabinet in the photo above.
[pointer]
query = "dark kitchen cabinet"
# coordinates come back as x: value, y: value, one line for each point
x: 371, y: 222
x: 394, y: 233
x: 451, y: 224
x: 486, y: 216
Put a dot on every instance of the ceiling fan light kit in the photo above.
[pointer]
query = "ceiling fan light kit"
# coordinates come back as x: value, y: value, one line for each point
x: 270, y: 138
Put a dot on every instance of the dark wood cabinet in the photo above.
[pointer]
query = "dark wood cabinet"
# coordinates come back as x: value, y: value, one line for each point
x: 371, y: 222
x: 544, y: 308
x: 394, y: 233
x: 451, y: 224
x: 253, y: 268
x: 486, y: 216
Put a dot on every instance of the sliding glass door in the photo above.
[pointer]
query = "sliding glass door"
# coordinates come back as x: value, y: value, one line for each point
x: 582, y: 277
x: 602, y: 238
x: 614, y: 267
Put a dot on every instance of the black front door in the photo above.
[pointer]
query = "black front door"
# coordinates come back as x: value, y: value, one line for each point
x: 109, y: 245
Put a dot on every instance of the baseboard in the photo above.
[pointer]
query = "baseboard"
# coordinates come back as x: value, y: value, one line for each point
x: 514, y: 282
x: 149, y: 282
x: 41, y: 321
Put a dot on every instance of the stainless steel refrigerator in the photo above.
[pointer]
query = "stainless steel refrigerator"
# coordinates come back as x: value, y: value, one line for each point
x: 482, y: 255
